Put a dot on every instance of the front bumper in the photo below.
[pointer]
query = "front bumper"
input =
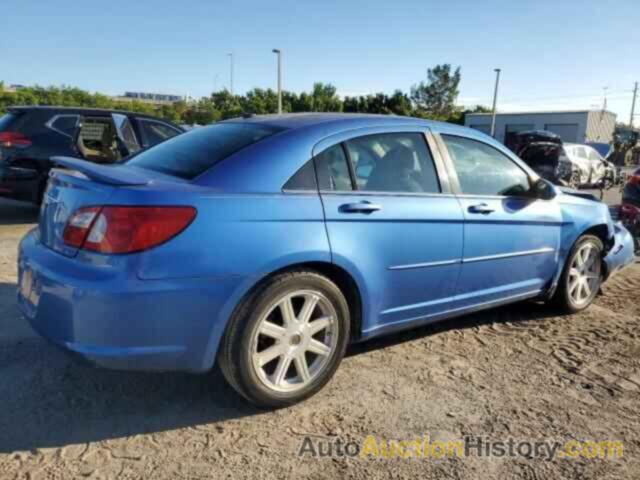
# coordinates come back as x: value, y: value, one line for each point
x: 109, y: 317
x: 621, y: 254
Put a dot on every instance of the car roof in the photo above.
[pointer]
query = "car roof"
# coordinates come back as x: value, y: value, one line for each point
x: 80, y: 110
x: 283, y: 153
x: 347, y: 120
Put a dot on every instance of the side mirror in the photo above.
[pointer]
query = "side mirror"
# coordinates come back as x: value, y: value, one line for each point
x: 543, y: 189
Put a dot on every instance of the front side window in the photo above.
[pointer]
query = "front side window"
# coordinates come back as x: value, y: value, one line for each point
x: 484, y: 170
x: 190, y: 154
x: 393, y: 162
x: 156, y: 132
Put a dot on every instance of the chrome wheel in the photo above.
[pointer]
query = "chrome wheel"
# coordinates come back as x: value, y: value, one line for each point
x: 294, y: 341
x: 584, y: 274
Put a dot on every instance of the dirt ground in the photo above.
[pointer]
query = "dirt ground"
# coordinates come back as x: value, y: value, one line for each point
x: 520, y: 372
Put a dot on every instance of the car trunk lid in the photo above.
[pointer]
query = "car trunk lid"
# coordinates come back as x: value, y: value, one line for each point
x: 83, y: 184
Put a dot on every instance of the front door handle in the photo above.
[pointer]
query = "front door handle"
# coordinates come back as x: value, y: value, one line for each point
x: 481, y: 208
x: 360, y: 207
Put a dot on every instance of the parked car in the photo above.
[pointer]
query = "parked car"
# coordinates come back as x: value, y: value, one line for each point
x: 30, y: 136
x: 269, y: 243
x: 630, y: 208
x: 544, y: 153
x: 595, y: 171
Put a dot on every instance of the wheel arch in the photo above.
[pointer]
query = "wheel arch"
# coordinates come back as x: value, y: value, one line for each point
x: 600, y: 230
x: 338, y: 275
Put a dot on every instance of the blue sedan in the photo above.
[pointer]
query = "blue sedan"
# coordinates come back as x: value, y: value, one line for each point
x: 269, y: 243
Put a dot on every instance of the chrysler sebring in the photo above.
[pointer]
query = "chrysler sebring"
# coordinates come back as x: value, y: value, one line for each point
x: 266, y: 244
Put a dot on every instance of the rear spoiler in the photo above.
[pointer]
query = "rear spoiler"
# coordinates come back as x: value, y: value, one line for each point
x: 110, y: 174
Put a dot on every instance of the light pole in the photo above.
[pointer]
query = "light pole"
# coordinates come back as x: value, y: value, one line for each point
x: 495, y: 100
x: 279, y: 54
x: 633, y: 105
x: 230, y: 55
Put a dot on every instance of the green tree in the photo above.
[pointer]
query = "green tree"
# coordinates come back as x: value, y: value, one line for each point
x: 436, y: 98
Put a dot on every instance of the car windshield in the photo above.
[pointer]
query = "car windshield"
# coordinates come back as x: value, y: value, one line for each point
x: 192, y: 153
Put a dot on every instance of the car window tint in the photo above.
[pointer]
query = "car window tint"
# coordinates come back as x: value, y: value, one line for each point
x: 393, y: 162
x: 156, y: 132
x: 303, y: 179
x: 66, y: 124
x: 483, y: 170
x: 190, y: 154
x: 333, y: 170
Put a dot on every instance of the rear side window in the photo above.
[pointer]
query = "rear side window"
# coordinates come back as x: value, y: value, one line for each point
x: 303, y: 180
x: 189, y: 155
x: 64, y: 124
x: 333, y: 170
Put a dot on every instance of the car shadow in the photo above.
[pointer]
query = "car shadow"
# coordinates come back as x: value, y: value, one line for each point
x: 49, y: 400
x: 517, y: 313
x: 17, y: 213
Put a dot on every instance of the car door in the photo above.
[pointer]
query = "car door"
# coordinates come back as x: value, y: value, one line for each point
x: 129, y: 143
x: 391, y: 218
x: 511, y: 238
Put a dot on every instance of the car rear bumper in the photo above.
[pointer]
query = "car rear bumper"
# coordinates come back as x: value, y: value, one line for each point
x: 621, y: 254
x: 19, y: 184
x: 115, y: 320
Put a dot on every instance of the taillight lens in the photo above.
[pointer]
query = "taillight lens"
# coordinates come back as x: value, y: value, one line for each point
x: 629, y: 211
x: 14, y: 139
x: 125, y: 229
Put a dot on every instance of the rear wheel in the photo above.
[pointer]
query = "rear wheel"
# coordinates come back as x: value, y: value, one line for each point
x: 582, y: 275
x: 285, y: 341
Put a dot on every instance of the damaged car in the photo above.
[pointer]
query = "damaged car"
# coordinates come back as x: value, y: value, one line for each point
x: 267, y: 244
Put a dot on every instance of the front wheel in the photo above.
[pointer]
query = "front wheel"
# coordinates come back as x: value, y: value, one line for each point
x: 285, y: 341
x: 582, y: 275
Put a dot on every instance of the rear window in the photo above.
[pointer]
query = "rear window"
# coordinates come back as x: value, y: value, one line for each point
x: 190, y: 154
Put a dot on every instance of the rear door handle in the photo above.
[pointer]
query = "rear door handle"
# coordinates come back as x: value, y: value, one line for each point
x: 360, y: 207
x: 481, y: 208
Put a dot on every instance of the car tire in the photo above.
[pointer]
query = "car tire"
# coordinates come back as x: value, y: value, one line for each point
x: 271, y: 352
x: 581, y: 277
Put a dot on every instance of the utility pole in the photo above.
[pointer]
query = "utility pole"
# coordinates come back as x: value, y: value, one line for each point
x: 279, y: 54
x: 230, y: 55
x: 495, y: 100
x: 633, y: 105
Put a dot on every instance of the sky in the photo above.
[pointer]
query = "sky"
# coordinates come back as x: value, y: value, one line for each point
x: 560, y: 55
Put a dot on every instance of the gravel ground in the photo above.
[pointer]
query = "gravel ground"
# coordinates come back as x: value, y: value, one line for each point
x: 522, y: 372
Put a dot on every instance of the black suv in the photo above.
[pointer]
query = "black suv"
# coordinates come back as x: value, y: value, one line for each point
x: 30, y: 136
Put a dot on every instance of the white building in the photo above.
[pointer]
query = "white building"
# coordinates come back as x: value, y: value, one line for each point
x: 585, y: 126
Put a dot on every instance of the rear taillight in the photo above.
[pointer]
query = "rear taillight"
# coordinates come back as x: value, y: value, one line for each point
x: 125, y: 229
x: 629, y: 212
x: 635, y: 178
x: 14, y: 139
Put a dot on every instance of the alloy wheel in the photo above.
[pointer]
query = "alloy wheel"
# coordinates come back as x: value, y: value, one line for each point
x: 294, y: 341
x: 584, y: 274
